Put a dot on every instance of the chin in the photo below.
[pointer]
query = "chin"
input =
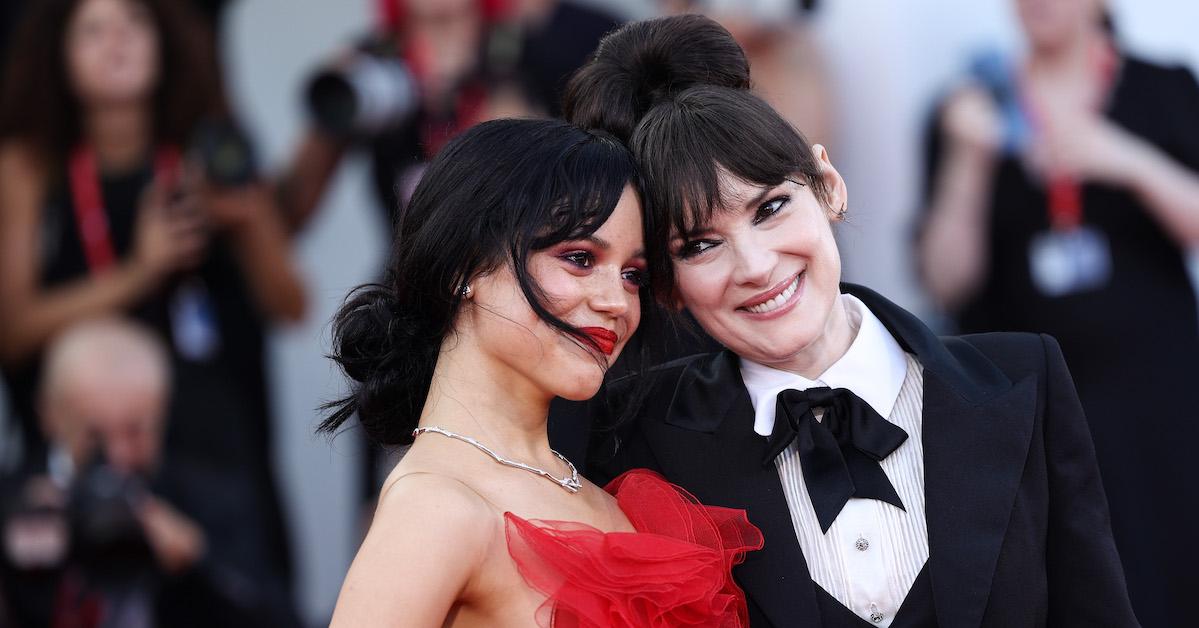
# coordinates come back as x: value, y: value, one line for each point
x: 789, y: 339
x: 578, y: 382
x: 579, y: 392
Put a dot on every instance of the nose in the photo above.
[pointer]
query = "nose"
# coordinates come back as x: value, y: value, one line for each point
x: 753, y: 261
x: 609, y: 295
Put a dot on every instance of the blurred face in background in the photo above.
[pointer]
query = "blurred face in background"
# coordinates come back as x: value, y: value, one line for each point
x: 1049, y: 24
x: 111, y: 51
x: 114, y: 413
x: 748, y: 21
x: 442, y: 37
x: 105, y: 390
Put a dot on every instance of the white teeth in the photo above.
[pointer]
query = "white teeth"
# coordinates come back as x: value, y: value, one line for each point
x: 777, y: 301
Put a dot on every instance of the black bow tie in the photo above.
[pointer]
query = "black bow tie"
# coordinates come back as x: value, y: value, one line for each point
x: 839, y: 455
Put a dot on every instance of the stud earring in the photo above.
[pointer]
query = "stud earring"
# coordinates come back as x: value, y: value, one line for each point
x: 465, y: 291
x: 840, y: 215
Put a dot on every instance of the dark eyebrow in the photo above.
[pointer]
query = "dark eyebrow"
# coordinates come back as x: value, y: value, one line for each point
x: 600, y: 242
x: 756, y: 201
x: 751, y: 204
x: 605, y: 245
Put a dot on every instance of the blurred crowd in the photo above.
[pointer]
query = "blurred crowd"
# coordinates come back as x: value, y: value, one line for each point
x: 146, y: 251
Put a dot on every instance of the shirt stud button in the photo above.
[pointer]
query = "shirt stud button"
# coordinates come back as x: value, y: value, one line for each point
x: 861, y: 544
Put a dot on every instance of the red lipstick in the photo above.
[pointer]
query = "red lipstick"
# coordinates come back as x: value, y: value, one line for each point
x: 604, y: 339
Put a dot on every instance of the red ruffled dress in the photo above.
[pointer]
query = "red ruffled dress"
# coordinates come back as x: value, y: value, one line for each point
x: 675, y: 570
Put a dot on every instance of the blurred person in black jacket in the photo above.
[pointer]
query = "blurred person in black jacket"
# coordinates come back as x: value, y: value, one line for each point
x: 103, y: 531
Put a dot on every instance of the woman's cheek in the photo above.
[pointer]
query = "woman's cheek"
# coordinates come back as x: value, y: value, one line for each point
x: 696, y: 289
x: 561, y: 289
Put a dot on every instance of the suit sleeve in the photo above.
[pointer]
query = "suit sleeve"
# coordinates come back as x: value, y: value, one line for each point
x: 1086, y: 580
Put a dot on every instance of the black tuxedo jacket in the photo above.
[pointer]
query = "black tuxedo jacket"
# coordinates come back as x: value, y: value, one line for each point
x: 1018, y: 525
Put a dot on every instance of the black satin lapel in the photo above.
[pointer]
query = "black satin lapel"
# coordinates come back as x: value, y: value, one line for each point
x: 724, y: 468
x: 963, y: 367
x: 705, y: 393
x: 974, y: 457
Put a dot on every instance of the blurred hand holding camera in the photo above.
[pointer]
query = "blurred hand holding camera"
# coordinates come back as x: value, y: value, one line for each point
x: 171, y: 232
x: 177, y: 542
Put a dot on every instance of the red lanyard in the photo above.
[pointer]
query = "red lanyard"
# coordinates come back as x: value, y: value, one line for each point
x: 1064, y: 192
x: 90, y: 215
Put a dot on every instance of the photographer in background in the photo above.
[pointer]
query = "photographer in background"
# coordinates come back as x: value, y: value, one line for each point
x: 100, y: 534
x: 432, y: 69
x: 104, y: 103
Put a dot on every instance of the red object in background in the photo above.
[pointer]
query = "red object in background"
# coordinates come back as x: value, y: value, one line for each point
x: 471, y: 100
x: 1064, y: 192
x: 1065, y: 202
x: 391, y: 13
x: 90, y: 215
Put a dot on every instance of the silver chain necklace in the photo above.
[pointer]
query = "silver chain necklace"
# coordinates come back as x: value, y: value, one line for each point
x: 570, y: 484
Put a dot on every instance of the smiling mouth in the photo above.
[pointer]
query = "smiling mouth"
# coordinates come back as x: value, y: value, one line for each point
x: 778, y: 300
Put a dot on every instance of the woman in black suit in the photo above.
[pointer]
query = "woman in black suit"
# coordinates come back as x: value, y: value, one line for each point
x: 899, y: 479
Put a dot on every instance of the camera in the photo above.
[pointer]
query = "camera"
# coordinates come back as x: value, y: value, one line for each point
x: 107, y: 539
x: 372, y: 91
x: 225, y: 153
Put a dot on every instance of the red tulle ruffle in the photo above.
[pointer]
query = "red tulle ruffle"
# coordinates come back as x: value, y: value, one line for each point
x: 675, y: 570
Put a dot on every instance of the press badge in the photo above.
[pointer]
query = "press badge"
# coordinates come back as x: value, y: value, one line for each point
x: 193, y: 322
x: 1068, y: 261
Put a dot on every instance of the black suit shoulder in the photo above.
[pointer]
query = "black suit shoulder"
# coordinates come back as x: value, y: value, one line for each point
x: 1019, y: 354
x: 1015, y: 353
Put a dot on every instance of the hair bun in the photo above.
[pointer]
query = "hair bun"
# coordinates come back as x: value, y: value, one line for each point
x: 646, y: 62
x: 365, y: 331
x: 377, y: 346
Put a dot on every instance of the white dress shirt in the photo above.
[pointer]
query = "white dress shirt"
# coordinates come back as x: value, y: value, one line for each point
x: 873, y: 552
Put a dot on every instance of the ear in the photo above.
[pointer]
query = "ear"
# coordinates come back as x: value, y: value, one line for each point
x: 838, y: 194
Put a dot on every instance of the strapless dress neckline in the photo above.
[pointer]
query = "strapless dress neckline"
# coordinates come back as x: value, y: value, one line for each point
x: 674, y: 570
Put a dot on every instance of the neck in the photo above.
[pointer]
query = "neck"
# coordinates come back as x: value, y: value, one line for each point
x: 475, y: 396
x: 533, y: 12
x: 1070, y: 57
x: 817, y: 357
x: 119, y: 135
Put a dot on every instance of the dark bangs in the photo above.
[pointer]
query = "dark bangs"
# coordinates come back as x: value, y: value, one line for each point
x: 685, y: 143
x: 570, y: 200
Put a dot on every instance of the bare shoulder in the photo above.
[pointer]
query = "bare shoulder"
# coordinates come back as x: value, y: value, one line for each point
x: 440, y: 508
x: 428, y: 540
x: 430, y: 494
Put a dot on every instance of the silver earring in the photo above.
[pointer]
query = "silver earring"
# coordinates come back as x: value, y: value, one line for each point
x: 465, y: 291
x: 841, y: 212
